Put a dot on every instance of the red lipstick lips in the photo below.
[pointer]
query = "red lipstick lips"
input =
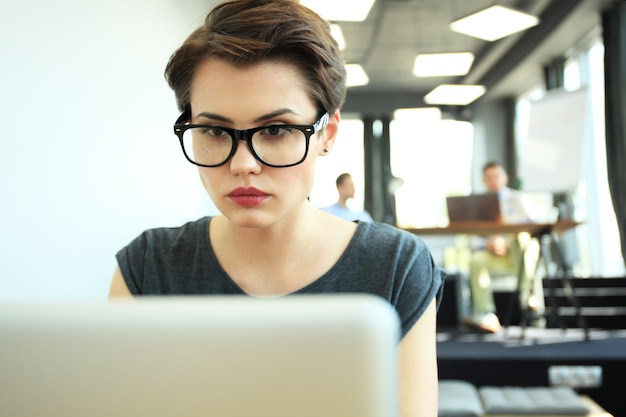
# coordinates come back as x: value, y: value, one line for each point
x: 247, y: 197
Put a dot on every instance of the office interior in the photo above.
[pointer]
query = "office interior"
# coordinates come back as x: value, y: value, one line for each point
x: 87, y: 117
x: 399, y: 185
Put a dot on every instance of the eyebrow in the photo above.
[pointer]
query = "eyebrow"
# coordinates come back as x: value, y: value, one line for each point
x: 262, y: 118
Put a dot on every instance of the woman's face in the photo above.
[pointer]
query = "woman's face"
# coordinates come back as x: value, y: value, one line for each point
x: 247, y: 192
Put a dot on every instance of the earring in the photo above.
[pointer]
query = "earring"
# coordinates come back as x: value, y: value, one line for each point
x: 326, y: 150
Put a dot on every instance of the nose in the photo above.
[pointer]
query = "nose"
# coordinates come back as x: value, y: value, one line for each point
x: 243, y: 161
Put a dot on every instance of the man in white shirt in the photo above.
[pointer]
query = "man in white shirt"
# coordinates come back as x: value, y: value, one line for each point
x: 499, y: 253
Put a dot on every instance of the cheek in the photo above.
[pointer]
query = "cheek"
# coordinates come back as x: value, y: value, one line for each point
x: 316, y: 144
x: 301, y: 177
x: 206, y: 177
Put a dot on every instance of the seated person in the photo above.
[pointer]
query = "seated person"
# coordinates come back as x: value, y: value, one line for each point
x: 495, y: 253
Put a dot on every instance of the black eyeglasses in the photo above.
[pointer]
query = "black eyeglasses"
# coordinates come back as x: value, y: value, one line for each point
x: 277, y: 146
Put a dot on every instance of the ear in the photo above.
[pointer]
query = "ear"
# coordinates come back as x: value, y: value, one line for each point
x: 330, y: 133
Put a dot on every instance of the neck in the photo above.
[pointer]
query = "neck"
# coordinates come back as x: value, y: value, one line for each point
x: 270, y: 260
x: 269, y: 242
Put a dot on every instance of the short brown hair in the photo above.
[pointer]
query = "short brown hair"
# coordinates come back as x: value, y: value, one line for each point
x: 341, y: 178
x: 247, y: 32
x: 492, y: 164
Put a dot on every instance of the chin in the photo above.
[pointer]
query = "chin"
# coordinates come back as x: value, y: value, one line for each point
x: 249, y: 219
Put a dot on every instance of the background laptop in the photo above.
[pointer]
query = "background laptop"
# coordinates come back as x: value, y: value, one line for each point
x: 474, y: 207
x: 331, y: 356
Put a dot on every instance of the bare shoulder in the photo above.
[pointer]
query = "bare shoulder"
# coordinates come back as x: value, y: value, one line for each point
x: 335, y: 228
x: 118, y: 288
x: 333, y: 235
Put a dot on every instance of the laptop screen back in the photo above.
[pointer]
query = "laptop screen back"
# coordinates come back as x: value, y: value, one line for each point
x: 474, y: 208
x: 331, y: 356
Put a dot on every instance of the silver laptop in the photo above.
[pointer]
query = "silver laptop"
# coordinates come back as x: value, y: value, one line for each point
x: 330, y: 356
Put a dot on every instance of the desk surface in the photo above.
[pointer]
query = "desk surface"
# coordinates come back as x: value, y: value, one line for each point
x: 492, y: 228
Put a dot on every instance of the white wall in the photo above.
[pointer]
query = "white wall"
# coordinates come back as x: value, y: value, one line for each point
x: 88, y: 159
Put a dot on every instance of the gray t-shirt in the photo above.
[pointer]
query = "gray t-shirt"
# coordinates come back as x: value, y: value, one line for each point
x: 380, y: 260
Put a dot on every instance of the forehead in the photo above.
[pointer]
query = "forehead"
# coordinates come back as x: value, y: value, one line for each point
x: 225, y: 87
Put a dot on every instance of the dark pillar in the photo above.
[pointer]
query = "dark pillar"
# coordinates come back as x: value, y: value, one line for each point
x: 379, y: 200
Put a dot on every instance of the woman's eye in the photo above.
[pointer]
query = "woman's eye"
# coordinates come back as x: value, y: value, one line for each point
x: 276, y: 130
x: 214, y: 131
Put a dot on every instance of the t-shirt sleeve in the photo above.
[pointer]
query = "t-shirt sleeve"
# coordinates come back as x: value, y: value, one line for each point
x: 422, y: 283
x: 131, y: 260
x: 418, y: 282
x: 398, y: 266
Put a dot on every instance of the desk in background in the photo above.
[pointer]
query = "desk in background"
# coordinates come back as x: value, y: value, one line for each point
x: 549, y: 249
x: 494, y: 228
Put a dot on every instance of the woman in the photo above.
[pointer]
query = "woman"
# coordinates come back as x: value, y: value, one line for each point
x: 260, y: 86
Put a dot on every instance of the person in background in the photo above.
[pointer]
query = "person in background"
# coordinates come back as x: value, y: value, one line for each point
x: 496, y: 253
x: 345, y: 189
x: 259, y: 87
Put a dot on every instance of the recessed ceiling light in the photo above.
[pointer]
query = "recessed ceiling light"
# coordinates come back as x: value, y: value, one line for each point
x: 442, y: 65
x: 337, y: 33
x: 418, y: 114
x: 356, y: 75
x: 494, y: 22
x: 340, y: 10
x: 454, y: 94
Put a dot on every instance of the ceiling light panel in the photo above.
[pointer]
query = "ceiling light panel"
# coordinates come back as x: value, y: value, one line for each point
x: 494, y: 22
x: 356, y: 75
x: 340, y: 10
x: 454, y: 94
x: 442, y: 65
x: 337, y: 33
x: 418, y: 114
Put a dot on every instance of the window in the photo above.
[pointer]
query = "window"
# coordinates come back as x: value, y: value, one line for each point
x: 421, y: 156
x: 346, y: 156
x: 599, y: 238
x: 597, y: 241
